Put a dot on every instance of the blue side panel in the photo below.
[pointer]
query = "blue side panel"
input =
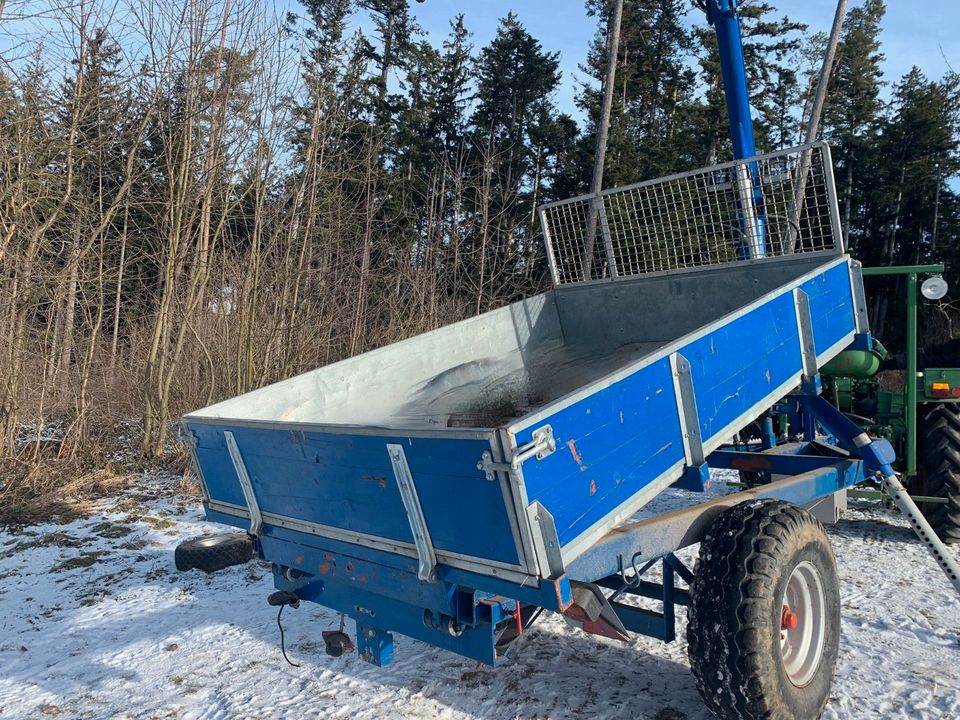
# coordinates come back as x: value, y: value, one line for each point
x: 610, y: 445
x: 743, y: 361
x: 831, y: 306
x: 347, y: 481
x: 615, y: 442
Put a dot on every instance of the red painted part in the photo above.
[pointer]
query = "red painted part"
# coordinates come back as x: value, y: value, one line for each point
x: 519, y: 621
x: 788, y: 620
x: 604, y: 629
x: 753, y: 464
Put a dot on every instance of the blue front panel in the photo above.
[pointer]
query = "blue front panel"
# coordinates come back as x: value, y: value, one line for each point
x: 610, y: 446
x: 346, y: 481
x: 740, y: 364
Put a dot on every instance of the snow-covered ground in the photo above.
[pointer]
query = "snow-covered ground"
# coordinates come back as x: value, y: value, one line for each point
x: 95, y: 622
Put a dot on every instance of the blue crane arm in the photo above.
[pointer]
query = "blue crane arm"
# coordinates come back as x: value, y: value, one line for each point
x: 723, y: 16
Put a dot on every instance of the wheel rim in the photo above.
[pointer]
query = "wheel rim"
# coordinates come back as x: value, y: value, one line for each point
x: 802, y: 624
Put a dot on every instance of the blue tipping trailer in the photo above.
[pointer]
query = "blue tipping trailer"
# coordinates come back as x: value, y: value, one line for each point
x: 452, y: 486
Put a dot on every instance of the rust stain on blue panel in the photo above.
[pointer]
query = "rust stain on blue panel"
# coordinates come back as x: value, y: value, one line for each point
x: 572, y: 444
x: 379, y: 479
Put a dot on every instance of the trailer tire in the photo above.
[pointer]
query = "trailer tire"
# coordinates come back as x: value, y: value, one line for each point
x: 941, y: 466
x: 753, y: 656
x: 213, y: 552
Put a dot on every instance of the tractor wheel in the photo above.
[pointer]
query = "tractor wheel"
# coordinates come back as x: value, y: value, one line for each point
x: 214, y: 552
x: 941, y: 465
x: 764, y: 620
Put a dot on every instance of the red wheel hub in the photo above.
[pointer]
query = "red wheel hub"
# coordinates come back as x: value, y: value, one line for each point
x: 788, y: 620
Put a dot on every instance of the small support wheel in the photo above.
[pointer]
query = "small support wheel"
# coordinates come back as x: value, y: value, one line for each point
x: 764, y: 621
x: 941, y: 470
x: 214, y: 552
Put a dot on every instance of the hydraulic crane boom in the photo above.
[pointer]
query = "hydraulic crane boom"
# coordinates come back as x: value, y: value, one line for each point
x: 723, y: 16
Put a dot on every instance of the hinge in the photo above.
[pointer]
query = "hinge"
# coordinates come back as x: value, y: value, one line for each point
x: 542, y: 445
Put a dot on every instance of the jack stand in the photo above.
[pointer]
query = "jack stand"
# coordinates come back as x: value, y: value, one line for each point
x: 878, y: 456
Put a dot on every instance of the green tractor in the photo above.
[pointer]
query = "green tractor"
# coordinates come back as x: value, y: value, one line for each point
x: 921, y: 417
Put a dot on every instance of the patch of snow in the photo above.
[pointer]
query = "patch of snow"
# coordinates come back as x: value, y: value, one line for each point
x: 43, y: 432
x: 95, y: 622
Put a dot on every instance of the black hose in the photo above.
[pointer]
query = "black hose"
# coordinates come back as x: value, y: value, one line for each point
x: 283, y: 648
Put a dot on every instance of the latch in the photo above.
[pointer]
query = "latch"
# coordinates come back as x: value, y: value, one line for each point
x: 541, y: 445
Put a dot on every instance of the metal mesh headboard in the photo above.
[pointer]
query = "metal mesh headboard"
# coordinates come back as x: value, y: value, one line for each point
x: 765, y: 206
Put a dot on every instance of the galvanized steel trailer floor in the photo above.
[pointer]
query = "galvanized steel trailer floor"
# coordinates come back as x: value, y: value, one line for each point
x: 487, y: 371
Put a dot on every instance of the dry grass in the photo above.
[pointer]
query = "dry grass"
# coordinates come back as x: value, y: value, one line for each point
x: 44, y: 484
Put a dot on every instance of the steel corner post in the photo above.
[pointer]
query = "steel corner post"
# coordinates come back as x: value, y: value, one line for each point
x: 910, y: 382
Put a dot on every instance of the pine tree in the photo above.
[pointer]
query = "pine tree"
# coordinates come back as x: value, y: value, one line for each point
x: 516, y: 80
x: 770, y: 47
x: 449, y: 94
x: 653, y: 95
x: 906, y: 184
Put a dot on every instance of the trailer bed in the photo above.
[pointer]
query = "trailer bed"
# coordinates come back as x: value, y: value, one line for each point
x: 635, y: 380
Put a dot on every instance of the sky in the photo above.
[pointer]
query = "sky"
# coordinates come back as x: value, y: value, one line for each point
x: 914, y: 31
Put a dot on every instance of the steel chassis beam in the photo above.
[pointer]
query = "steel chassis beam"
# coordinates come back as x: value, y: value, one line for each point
x: 662, y: 534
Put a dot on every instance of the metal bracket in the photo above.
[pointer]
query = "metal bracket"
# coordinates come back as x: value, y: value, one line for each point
x: 186, y: 436
x: 256, y: 519
x: 546, y: 543
x: 687, y: 410
x: 542, y: 445
x: 411, y: 503
x: 859, y: 298
x: 808, y: 350
x: 374, y: 645
x: 490, y: 467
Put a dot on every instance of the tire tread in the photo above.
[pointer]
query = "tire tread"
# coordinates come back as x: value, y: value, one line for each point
x: 736, y: 572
